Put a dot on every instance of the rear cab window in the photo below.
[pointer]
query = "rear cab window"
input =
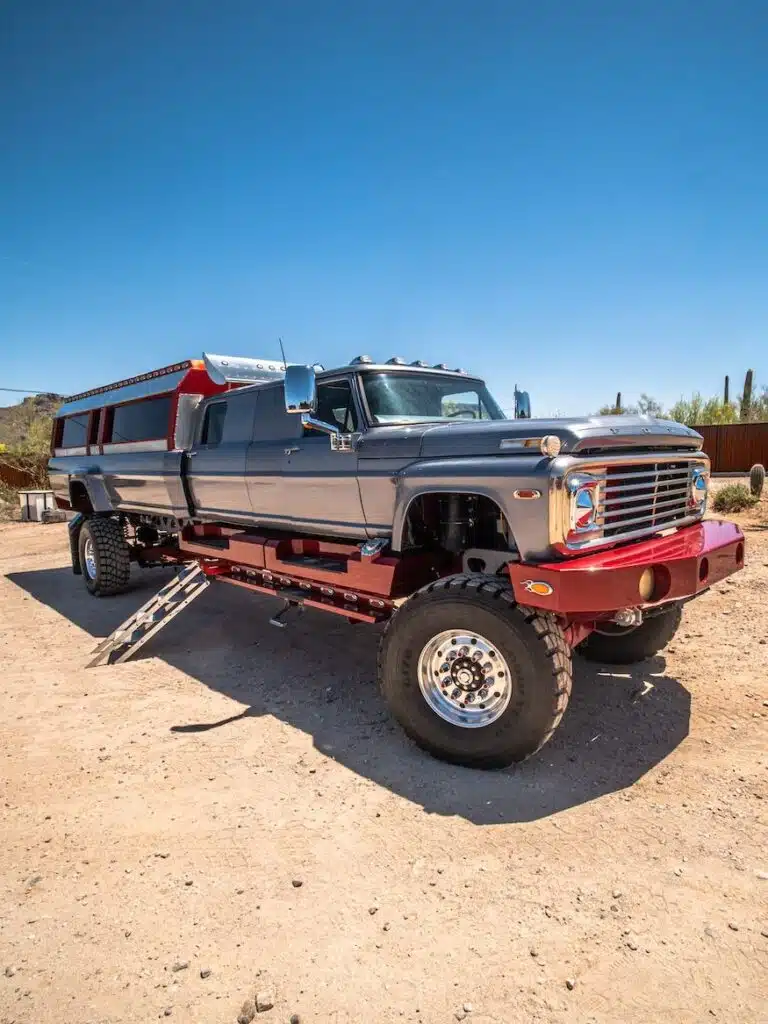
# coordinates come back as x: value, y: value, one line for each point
x: 213, y: 424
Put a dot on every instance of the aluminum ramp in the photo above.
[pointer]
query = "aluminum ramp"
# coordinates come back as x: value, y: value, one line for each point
x: 151, y: 617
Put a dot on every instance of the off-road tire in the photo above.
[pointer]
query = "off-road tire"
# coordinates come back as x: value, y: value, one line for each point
x: 635, y: 644
x: 532, y: 644
x: 111, y: 554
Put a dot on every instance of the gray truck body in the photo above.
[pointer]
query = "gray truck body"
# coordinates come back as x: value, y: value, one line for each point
x: 266, y: 469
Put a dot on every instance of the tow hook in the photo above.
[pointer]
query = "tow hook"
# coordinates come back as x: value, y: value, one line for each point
x: 628, y: 617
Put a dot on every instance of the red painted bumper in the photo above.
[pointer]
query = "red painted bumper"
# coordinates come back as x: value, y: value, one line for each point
x: 684, y: 564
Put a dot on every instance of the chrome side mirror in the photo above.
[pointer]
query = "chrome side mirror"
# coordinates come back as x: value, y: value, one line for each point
x: 301, y: 397
x: 300, y: 389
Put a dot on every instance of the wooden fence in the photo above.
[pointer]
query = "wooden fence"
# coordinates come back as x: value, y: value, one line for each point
x: 25, y: 476
x: 735, y: 447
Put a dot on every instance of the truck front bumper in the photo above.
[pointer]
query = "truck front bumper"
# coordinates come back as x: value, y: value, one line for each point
x: 683, y: 565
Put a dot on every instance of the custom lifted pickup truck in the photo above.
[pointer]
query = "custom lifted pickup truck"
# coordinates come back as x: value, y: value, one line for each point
x: 491, y: 548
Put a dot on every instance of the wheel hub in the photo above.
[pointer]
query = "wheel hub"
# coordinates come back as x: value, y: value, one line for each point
x: 464, y: 679
x: 89, y: 557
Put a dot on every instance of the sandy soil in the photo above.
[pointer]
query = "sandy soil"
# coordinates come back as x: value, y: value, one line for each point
x: 158, y: 815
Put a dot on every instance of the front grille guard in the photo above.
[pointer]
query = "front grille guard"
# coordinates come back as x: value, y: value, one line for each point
x: 624, y: 485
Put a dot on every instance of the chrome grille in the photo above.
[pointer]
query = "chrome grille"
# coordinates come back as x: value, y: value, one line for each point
x: 652, y: 496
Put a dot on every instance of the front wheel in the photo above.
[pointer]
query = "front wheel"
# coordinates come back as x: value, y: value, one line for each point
x: 615, y: 645
x: 472, y: 677
x: 105, y: 559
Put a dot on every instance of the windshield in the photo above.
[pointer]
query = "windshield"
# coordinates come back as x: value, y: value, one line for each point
x: 413, y: 398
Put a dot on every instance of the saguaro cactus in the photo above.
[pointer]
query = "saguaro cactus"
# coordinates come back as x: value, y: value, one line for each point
x: 757, y: 479
x: 746, y: 398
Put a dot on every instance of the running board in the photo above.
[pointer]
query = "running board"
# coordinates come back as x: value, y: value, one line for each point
x: 151, y: 617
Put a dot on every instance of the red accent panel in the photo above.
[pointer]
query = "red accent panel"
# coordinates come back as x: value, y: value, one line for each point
x: 381, y: 576
x: 686, y: 563
x: 323, y: 605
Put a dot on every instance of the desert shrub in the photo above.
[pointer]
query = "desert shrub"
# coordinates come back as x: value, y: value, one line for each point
x: 733, y: 498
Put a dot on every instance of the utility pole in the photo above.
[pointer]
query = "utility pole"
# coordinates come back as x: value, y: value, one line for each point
x: 727, y: 390
x: 618, y: 404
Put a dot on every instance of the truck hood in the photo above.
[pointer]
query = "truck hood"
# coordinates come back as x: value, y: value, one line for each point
x: 587, y: 435
x: 590, y: 434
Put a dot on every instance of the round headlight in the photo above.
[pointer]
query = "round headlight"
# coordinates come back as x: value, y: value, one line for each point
x: 551, y: 445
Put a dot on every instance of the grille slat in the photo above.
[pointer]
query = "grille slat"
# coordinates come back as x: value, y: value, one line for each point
x: 650, y: 482
x: 654, y: 517
x: 617, y: 474
x: 677, y: 492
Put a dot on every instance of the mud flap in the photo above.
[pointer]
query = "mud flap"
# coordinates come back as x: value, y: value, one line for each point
x: 74, y: 526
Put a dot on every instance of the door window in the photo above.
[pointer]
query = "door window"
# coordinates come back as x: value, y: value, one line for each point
x: 335, y: 405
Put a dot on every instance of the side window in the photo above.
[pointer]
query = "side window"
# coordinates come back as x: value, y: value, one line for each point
x: 75, y: 431
x: 213, y: 424
x: 146, y: 420
x: 335, y: 405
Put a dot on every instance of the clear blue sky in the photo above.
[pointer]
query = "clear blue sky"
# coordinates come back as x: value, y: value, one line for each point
x: 572, y: 196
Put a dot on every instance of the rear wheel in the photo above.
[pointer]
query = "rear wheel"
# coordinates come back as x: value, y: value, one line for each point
x: 472, y: 677
x: 104, y: 557
x: 615, y: 645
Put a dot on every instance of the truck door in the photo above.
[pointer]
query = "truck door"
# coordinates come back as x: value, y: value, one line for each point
x: 295, y: 480
x: 216, y: 463
x: 321, y: 483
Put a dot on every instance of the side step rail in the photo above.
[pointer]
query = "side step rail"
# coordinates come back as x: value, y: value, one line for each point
x: 151, y: 617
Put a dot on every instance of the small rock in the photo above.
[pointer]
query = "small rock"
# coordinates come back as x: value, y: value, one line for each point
x: 34, y: 880
x: 632, y: 945
x: 467, y: 1007
x: 127, y: 933
x: 264, y: 1001
x: 617, y: 894
x: 570, y: 984
x: 295, y: 1019
x: 385, y: 927
x: 372, y: 910
x: 180, y: 965
x: 763, y: 876
x: 297, y: 883
x: 187, y: 881
x: 162, y: 855
x: 247, y: 1012
x: 206, y: 972
x: 10, y: 971
x: 534, y: 951
x: 168, y: 1011
x: 734, y: 927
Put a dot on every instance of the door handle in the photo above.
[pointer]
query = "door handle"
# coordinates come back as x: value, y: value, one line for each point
x: 290, y: 451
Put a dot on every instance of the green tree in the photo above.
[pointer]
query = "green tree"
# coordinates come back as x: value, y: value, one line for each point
x: 699, y: 411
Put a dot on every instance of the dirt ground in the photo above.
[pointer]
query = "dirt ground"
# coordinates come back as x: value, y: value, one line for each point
x: 158, y: 817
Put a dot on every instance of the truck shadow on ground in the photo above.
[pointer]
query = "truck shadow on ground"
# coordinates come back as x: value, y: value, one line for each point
x: 319, y: 674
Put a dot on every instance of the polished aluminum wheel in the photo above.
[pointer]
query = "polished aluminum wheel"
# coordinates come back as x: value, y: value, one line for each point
x: 464, y: 679
x: 89, y: 557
